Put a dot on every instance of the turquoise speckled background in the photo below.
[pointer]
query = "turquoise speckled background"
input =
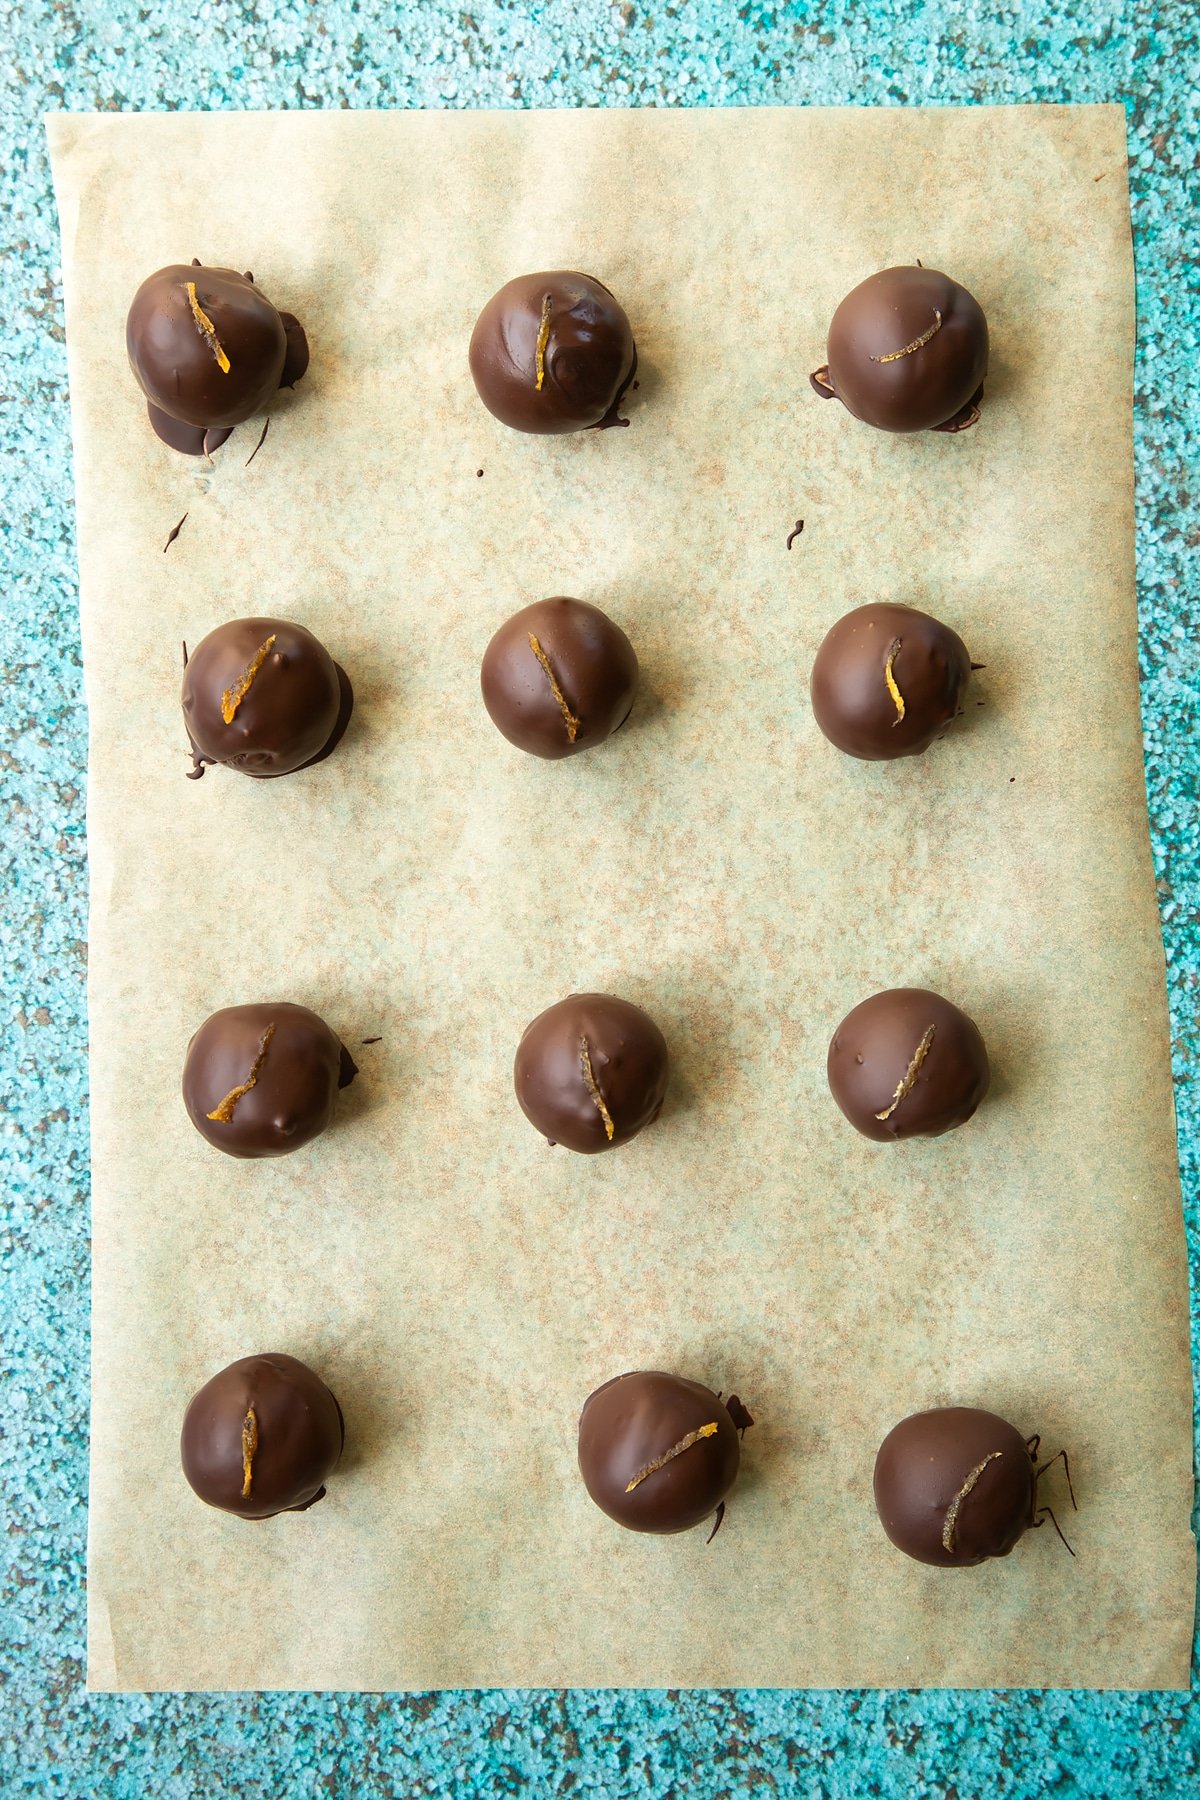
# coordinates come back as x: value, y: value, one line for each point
x: 55, y: 1740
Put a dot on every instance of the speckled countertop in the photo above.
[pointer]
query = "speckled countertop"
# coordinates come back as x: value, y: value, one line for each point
x: 55, y: 1740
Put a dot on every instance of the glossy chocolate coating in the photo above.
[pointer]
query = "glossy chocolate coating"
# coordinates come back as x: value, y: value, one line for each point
x: 194, y: 402
x: 588, y: 359
x: 932, y: 1458
x: 292, y: 714
x: 634, y: 1420
x: 294, y: 1439
x: 626, y: 1054
x: 910, y: 1038
x: 297, y: 1072
x: 938, y: 383
x: 851, y: 699
x: 591, y: 662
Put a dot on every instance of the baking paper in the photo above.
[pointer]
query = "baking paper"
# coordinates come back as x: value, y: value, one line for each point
x: 460, y: 1285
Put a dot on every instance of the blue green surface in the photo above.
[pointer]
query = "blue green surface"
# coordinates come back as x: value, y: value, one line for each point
x: 55, y: 1740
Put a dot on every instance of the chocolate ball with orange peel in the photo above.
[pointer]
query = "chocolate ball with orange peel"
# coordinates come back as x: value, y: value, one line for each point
x: 658, y: 1452
x: 553, y: 352
x: 907, y: 351
x: 208, y: 350
x: 261, y: 1080
x: 262, y: 1437
x: 263, y: 696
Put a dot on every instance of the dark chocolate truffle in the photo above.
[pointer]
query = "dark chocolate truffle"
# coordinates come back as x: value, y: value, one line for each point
x: 591, y: 1071
x: 553, y: 352
x: 886, y: 680
x: 955, y: 1486
x: 558, y: 677
x: 906, y: 1063
x: 908, y: 351
x: 262, y: 1437
x: 658, y: 1453
x: 208, y: 350
x: 261, y: 1080
x: 265, y: 697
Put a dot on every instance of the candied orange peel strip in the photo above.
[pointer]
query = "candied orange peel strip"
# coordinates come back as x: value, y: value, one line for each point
x: 593, y: 1088
x: 918, y: 343
x: 232, y: 698
x: 224, y: 1112
x: 543, y: 338
x: 685, y: 1443
x: 569, y: 720
x: 207, y: 329
x: 249, y: 1446
x: 952, y: 1510
x: 889, y: 676
x: 905, y: 1087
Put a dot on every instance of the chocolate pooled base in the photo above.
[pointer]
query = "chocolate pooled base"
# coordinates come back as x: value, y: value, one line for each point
x: 208, y: 349
x: 955, y: 1486
x: 659, y: 1453
x: 886, y: 680
x: 591, y: 1072
x: 264, y: 697
x: 553, y: 352
x: 261, y: 1080
x: 907, y: 1063
x: 558, y: 677
x: 907, y: 351
x: 262, y: 1437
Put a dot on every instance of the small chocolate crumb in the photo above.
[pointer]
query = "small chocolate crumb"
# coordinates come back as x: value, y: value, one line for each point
x: 741, y: 1416
x: 171, y: 536
x: 794, y: 533
x: 262, y: 440
x: 374, y: 1040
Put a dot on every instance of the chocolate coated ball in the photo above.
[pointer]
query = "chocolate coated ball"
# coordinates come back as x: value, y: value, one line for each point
x: 263, y: 696
x: 955, y: 1486
x: 262, y: 1437
x: 553, y: 352
x: 591, y: 1072
x: 208, y: 349
x: 886, y: 680
x: 657, y: 1453
x: 262, y: 1080
x: 908, y: 351
x: 558, y: 677
x: 907, y: 1063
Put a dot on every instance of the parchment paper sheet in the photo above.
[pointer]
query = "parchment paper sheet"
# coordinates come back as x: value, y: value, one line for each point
x: 460, y: 1285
